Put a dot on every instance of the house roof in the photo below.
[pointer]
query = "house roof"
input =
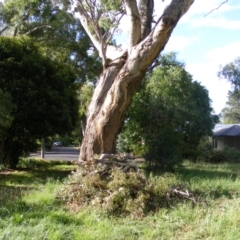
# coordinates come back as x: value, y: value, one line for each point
x: 227, y: 130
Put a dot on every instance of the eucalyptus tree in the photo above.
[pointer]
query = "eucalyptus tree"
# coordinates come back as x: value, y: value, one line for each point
x: 231, y: 72
x: 123, y: 68
x: 231, y: 113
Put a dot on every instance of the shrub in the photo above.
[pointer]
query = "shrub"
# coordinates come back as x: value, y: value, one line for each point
x: 232, y: 154
x: 163, y: 150
x: 191, y: 154
x: 217, y: 157
x: 205, y: 149
x: 227, y: 155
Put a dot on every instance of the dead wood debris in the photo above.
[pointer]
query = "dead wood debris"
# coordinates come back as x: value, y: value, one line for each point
x: 126, y: 162
x: 179, y: 191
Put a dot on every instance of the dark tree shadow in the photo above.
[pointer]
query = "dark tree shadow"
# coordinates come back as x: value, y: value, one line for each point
x: 18, y: 182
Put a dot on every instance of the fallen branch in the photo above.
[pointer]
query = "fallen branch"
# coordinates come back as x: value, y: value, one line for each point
x: 180, y: 192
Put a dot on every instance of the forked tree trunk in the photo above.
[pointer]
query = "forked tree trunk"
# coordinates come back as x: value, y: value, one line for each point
x: 119, y: 81
x: 107, y: 109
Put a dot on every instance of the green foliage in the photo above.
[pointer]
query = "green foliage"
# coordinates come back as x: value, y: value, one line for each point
x: 163, y: 149
x: 85, y: 96
x: 204, y: 149
x: 31, y: 163
x: 52, y: 26
x: 6, y: 107
x: 230, y: 155
x: 231, y: 113
x: 107, y: 9
x: 45, y: 96
x: 231, y: 72
x: 168, y: 116
x: 76, y: 135
x: 217, y: 157
x: 59, y: 34
x: 202, y: 153
x: 206, y: 153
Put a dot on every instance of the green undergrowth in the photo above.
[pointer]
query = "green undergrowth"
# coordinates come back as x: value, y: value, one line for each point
x: 40, y: 211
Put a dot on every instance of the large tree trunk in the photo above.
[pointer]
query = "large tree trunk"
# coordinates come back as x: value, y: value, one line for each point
x: 119, y: 81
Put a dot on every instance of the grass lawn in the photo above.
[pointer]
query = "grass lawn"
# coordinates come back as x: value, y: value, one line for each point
x: 30, y: 210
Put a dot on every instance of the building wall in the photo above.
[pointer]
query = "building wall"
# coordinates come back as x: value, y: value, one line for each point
x: 221, y: 142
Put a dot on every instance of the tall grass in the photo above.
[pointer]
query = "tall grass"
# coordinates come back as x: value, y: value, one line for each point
x: 30, y: 210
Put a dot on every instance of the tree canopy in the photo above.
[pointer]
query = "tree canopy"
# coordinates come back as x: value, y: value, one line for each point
x: 54, y: 28
x: 231, y: 72
x: 43, y: 92
x: 58, y: 32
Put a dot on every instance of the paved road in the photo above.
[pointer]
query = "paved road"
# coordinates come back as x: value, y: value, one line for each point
x: 59, y: 153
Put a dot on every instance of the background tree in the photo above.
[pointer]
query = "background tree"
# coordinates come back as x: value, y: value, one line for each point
x: 43, y: 92
x: 123, y: 69
x: 231, y: 113
x: 60, y: 35
x: 75, y: 137
x: 231, y: 72
x: 54, y: 28
x: 85, y: 96
x: 169, y: 116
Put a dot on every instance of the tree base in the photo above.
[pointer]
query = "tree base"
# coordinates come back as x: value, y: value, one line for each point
x: 126, y: 163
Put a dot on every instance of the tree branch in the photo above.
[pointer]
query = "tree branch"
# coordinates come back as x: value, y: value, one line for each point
x: 90, y: 24
x: 37, y: 28
x: 85, y: 21
x: 134, y: 23
x: 145, y: 8
x: 216, y: 8
x: 4, y: 29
